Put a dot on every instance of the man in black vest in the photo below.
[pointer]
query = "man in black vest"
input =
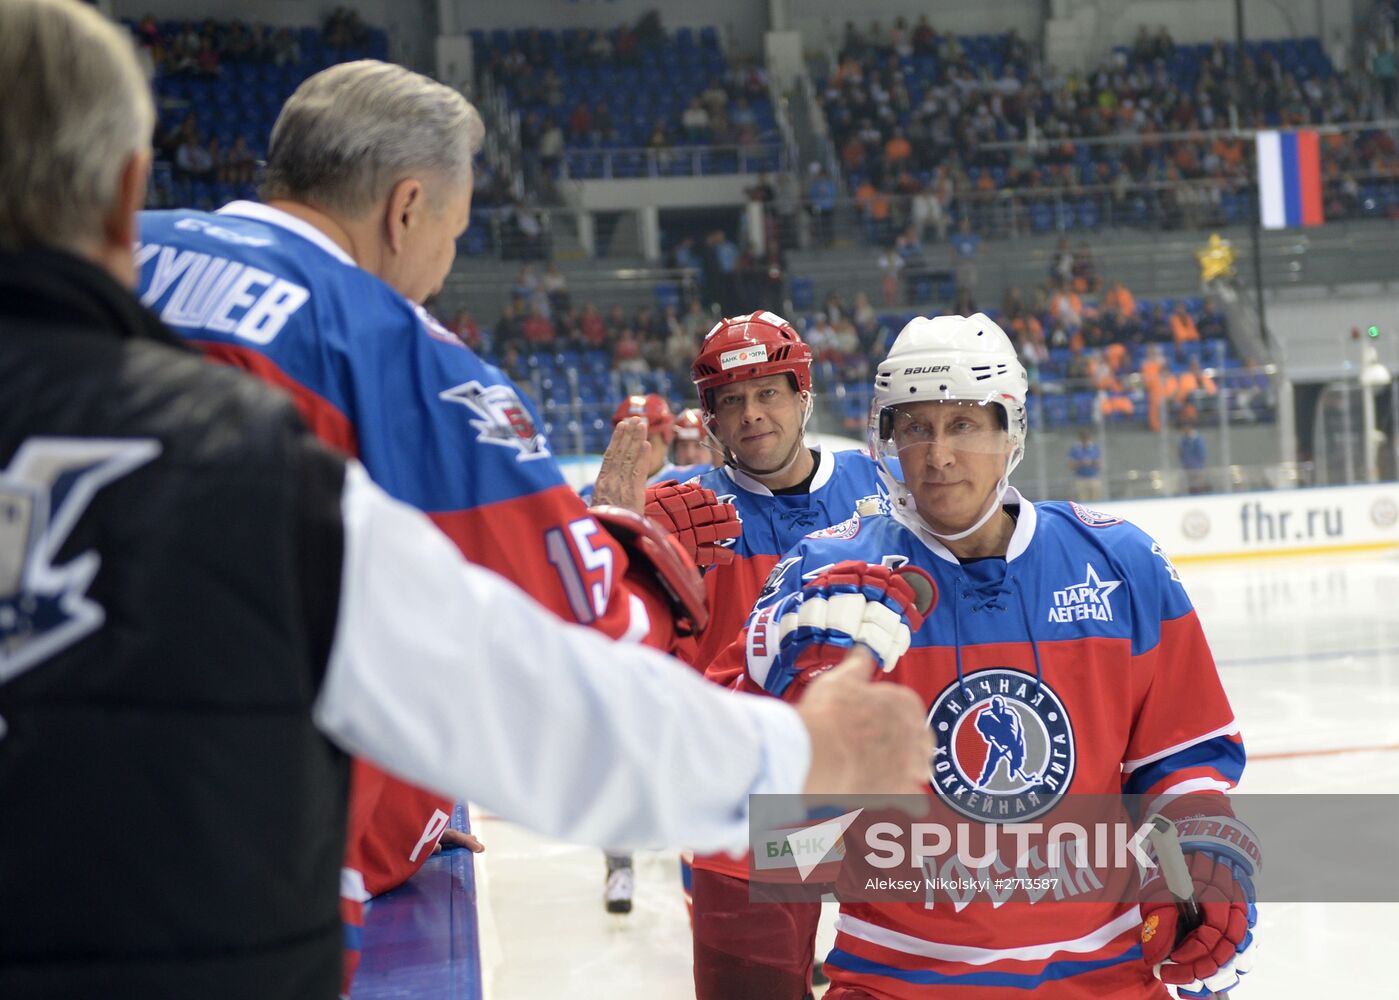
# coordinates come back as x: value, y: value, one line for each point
x: 202, y: 611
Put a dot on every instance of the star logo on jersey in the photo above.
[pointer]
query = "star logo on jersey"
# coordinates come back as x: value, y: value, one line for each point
x: 44, y: 607
x: 1086, y: 601
x: 501, y: 418
x: 1005, y: 747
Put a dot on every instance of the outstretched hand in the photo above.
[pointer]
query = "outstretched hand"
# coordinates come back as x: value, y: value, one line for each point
x: 866, y: 738
x: 621, y: 480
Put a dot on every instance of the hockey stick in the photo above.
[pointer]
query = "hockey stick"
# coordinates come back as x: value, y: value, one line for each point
x: 1177, y: 876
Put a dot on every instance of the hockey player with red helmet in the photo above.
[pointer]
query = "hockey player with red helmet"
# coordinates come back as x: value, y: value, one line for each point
x: 753, y: 374
x: 660, y: 431
x: 691, y: 453
x: 1083, y: 700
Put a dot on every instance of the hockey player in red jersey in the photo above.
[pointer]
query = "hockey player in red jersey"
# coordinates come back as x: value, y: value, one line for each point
x: 1066, y: 635
x: 691, y: 449
x: 753, y: 375
x: 347, y: 255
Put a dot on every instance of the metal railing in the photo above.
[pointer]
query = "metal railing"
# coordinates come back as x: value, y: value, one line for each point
x: 672, y: 161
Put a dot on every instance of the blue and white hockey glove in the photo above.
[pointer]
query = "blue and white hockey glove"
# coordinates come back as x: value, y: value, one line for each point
x: 851, y: 602
x: 1224, y: 858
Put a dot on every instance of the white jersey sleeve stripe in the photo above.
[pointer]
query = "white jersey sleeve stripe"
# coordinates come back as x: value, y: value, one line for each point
x: 1128, y: 766
x: 910, y: 945
x: 448, y: 675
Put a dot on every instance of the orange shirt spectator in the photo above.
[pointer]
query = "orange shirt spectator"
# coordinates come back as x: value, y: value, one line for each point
x: 1119, y: 298
x: 1192, y: 381
x: 1116, y: 357
x: 1183, y: 326
x: 897, y: 149
x: 873, y: 202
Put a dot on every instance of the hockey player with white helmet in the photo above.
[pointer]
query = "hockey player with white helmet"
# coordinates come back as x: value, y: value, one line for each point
x: 1065, y: 641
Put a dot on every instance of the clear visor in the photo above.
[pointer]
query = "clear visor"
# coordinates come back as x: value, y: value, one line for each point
x: 917, y: 431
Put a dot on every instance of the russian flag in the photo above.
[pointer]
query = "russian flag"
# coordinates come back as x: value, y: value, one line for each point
x: 1289, y: 179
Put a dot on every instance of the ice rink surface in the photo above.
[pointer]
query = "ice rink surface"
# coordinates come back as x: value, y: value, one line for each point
x: 1309, y: 652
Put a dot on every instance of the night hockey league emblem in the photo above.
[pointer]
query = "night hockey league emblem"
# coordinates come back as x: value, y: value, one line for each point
x: 1005, y: 746
x: 44, y: 607
x: 501, y: 418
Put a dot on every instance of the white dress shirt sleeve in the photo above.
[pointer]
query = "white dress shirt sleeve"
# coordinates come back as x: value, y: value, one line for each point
x: 453, y: 678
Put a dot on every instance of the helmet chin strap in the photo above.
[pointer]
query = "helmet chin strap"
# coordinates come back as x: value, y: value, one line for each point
x: 1012, y: 460
x: 761, y: 475
x: 986, y: 515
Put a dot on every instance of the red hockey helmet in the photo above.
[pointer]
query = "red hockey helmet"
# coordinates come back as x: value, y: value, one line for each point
x: 743, y: 348
x: 689, y: 426
x: 659, y: 419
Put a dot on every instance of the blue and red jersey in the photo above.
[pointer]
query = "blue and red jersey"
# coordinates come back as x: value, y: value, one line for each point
x: 375, y: 376
x: 1077, y: 664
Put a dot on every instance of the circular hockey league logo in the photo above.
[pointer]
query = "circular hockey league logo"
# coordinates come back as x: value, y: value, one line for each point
x: 1005, y: 746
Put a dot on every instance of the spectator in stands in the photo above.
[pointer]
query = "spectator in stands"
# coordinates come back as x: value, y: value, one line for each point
x: 821, y: 202
x: 696, y: 123
x: 604, y: 127
x: 599, y: 48
x: 1119, y: 301
x: 1086, y: 461
x: 1183, y: 329
x: 616, y: 321
x: 696, y: 321
x: 592, y: 327
x: 1192, y: 459
x: 721, y: 272
x: 660, y: 140
x: 1066, y: 308
x: 507, y: 334
x: 1193, y: 387
x: 626, y: 353
x: 555, y: 287
x: 239, y: 163
x: 551, y: 146
x: 897, y: 151
x: 192, y: 159
x: 1211, y: 324
x: 468, y: 331
x: 207, y: 61
x: 820, y: 336
x: 1061, y: 265
x: 966, y: 248
x: 890, y: 264
x: 286, y: 50
x: 1085, y: 271
x: 538, y: 329
x: 580, y: 123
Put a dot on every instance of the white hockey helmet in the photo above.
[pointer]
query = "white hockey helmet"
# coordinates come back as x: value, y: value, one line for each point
x: 963, y: 358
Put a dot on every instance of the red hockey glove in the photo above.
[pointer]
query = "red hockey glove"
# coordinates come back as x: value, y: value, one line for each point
x: 698, y: 521
x: 1213, y: 956
x: 662, y: 559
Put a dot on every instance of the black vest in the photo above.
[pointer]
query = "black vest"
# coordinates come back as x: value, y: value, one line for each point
x: 171, y: 821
